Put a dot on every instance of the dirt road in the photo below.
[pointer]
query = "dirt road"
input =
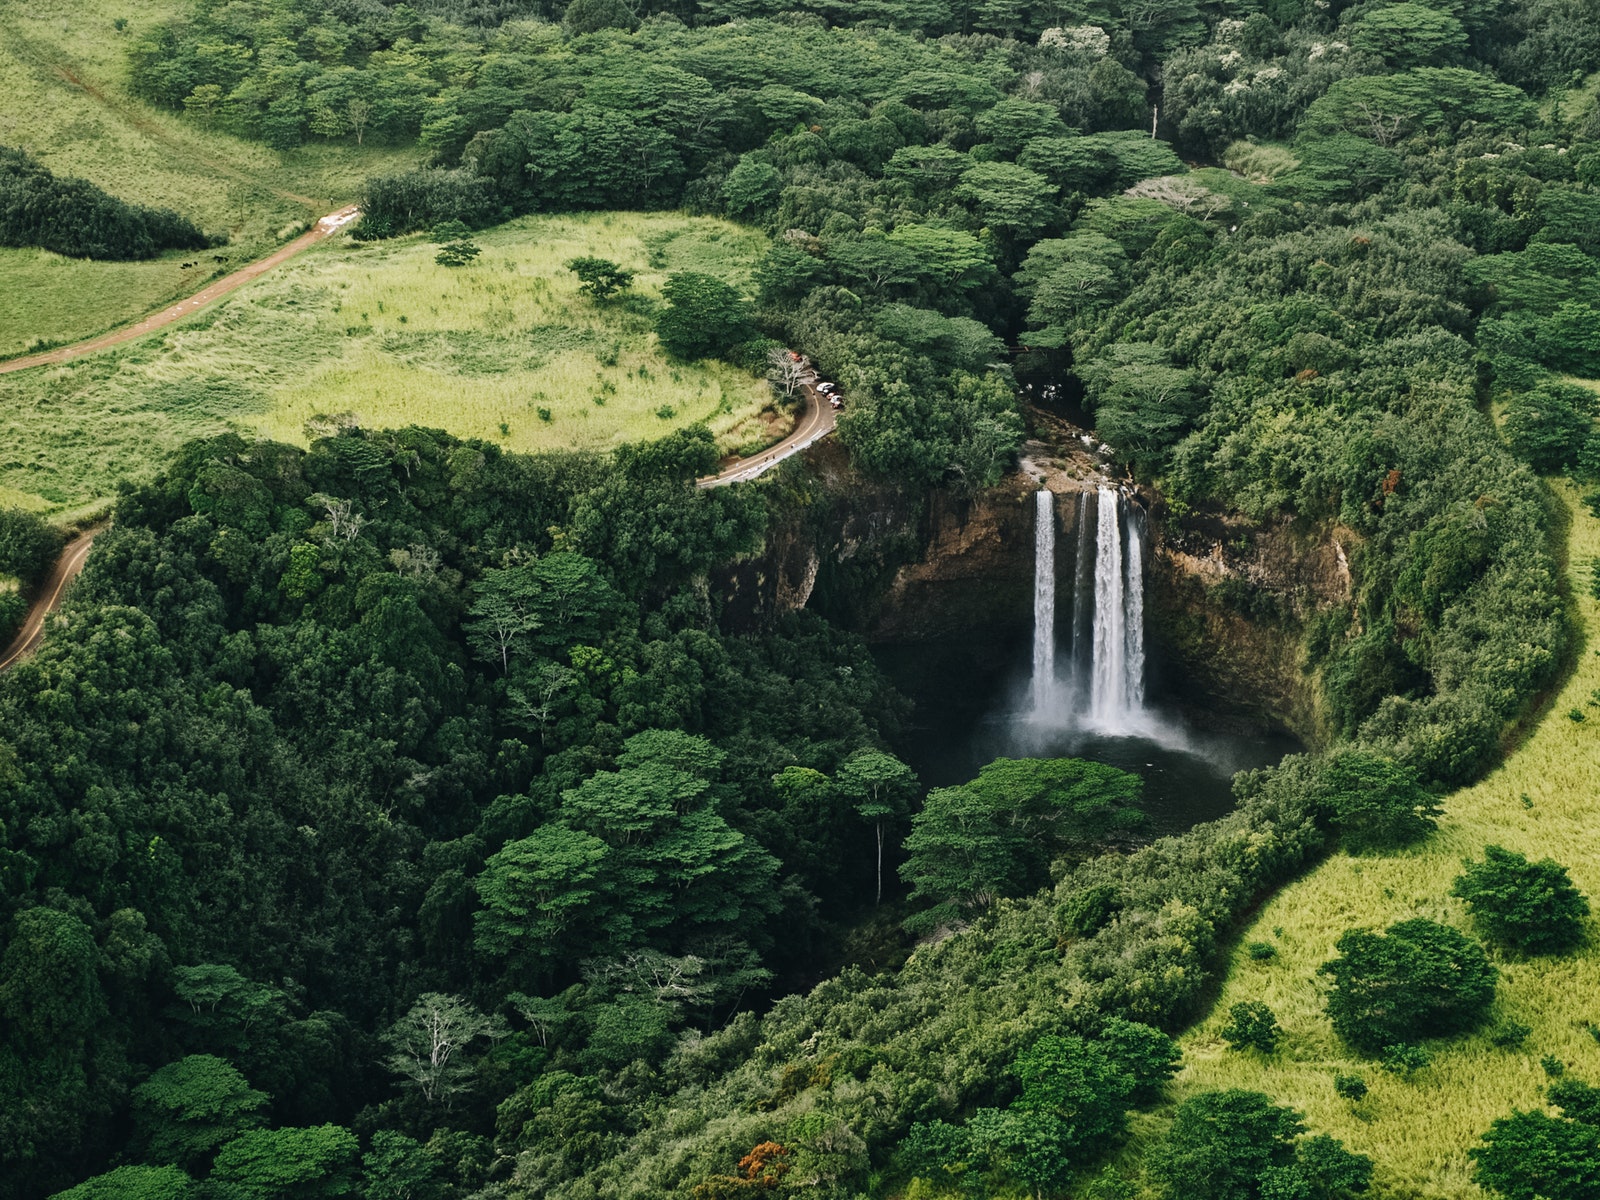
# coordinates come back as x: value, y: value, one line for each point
x: 329, y: 224
x: 67, y: 568
x: 816, y: 422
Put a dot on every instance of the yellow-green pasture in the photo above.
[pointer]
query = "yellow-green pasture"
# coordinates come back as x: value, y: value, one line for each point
x: 1544, y: 801
x: 63, y: 73
x: 504, y: 349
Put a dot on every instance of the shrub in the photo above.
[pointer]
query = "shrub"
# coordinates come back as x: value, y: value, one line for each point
x: 1085, y: 913
x: 1576, y: 1100
x: 1238, y: 1145
x: 1510, y: 1034
x: 13, y: 608
x: 29, y: 546
x: 457, y: 254
x: 1549, y: 425
x: 1418, y: 979
x: 1252, y: 1025
x: 73, y: 217
x: 1530, y: 907
x: 1261, y: 951
x: 422, y: 199
x: 1351, y: 1087
x: 1374, y: 801
x: 1401, y: 1059
x: 1534, y: 1156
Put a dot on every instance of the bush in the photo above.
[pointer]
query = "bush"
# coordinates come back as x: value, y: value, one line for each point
x: 1549, y: 425
x: 13, y: 608
x: 73, y: 217
x: 29, y: 546
x: 457, y: 254
x: 1510, y: 1034
x: 1351, y: 1087
x: 1374, y: 802
x: 1534, y: 1156
x: 1401, y: 1059
x: 423, y: 199
x: 1418, y: 979
x: 1252, y: 1025
x: 1238, y: 1145
x: 1261, y: 951
x: 1530, y: 907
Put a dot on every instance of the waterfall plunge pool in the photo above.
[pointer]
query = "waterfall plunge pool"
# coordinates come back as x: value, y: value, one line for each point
x: 1079, y: 686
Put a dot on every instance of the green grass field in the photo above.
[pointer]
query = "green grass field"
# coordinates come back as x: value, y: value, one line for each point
x: 1543, y: 801
x: 63, y: 73
x: 382, y: 332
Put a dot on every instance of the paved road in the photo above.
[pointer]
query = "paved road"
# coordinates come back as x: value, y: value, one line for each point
x: 329, y: 224
x: 816, y: 422
x: 67, y: 568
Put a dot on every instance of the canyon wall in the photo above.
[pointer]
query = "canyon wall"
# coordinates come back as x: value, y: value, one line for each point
x: 1227, y: 600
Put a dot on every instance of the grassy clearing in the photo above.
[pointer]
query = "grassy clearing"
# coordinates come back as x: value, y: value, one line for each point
x: 382, y: 332
x: 63, y: 73
x: 1542, y: 801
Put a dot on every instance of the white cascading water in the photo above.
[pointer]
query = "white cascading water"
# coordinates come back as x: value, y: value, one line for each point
x: 1108, y: 613
x: 1044, y: 605
x: 1133, y: 604
x: 1108, y: 678
x: 1082, y: 591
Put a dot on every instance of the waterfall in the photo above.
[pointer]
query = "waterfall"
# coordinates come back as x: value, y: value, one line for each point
x: 1044, y: 605
x: 1107, y: 653
x: 1133, y: 604
x: 1116, y: 670
x: 1082, y: 589
x: 1107, y: 674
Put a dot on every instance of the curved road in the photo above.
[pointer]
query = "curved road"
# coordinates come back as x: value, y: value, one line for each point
x: 329, y: 224
x: 67, y: 568
x: 815, y: 423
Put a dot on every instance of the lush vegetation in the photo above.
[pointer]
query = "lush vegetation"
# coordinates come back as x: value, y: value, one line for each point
x: 63, y: 69
x: 1428, y: 1117
x: 75, y: 218
x: 28, y: 549
x: 505, y: 349
x: 393, y: 816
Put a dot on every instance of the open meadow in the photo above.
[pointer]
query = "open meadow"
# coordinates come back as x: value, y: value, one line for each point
x: 504, y: 349
x: 63, y: 72
x: 1541, y: 802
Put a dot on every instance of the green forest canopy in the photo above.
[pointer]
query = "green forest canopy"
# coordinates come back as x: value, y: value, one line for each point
x: 395, y: 818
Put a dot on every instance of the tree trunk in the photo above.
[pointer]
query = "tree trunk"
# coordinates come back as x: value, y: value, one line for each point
x: 879, y: 900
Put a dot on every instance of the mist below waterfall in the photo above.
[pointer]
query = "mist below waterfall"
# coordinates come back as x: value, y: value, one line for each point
x: 1083, y: 687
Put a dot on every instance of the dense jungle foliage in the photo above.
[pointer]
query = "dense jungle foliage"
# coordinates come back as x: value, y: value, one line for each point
x: 393, y: 818
x: 75, y: 218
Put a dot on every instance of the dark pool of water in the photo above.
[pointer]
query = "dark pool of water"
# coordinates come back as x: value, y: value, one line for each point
x: 971, y: 709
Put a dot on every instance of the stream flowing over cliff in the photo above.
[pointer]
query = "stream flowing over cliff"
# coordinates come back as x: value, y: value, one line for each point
x: 947, y: 592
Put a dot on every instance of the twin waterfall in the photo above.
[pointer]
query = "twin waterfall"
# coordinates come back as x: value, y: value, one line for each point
x: 1105, y: 679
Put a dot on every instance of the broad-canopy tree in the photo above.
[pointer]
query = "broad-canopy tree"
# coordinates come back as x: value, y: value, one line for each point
x: 1530, y: 907
x: 1534, y: 1156
x: 994, y: 837
x: 189, y: 1108
x: 703, y: 318
x: 1418, y: 979
x: 1238, y: 1145
x: 429, y: 1045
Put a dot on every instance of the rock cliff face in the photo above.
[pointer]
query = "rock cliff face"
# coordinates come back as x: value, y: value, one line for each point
x: 1227, y: 603
x: 1226, y: 600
